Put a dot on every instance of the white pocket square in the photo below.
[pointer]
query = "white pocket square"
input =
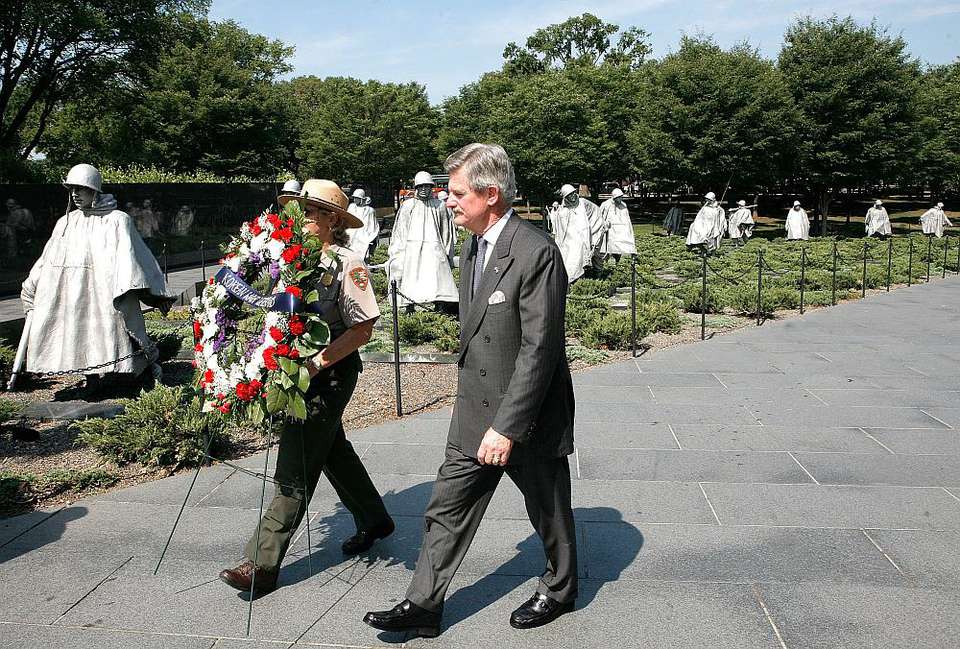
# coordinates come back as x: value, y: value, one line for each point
x: 497, y: 297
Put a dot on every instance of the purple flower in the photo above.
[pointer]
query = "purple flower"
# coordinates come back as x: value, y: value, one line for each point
x: 252, y: 345
x: 219, y: 341
x: 254, y: 259
x: 274, y: 270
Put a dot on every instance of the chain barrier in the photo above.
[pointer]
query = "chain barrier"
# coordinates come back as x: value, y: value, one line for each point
x: 150, y: 348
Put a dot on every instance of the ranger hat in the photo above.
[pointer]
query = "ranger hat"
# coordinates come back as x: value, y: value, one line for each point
x: 326, y: 195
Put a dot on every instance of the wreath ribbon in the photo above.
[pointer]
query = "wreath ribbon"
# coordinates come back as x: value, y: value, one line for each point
x: 284, y: 302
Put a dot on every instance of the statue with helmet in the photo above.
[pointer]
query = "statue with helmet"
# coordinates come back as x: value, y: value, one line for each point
x: 740, y: 224
x: 619, y: 237
x: 877, y: 221
x: 421, y: 249
x: 578, y: 228
x: 708, y: 226
x: 82, y: 297
x: 363, y: 239
x: 933, y: 220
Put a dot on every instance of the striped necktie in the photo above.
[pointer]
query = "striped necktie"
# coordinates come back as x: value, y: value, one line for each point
x: 478, y: 264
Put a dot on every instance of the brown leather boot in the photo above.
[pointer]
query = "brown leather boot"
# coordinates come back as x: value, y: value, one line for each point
x: 241, y: 578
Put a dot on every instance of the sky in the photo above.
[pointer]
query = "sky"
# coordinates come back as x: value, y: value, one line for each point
x: 445, y: 45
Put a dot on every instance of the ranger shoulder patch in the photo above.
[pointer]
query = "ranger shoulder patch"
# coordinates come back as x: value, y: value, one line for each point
x: 360, y: 278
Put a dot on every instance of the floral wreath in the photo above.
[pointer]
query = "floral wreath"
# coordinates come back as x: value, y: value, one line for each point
x: 252, y: 360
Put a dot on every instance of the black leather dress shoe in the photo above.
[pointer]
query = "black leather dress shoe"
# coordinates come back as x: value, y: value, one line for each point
x: 364, y: 539
x: 406, y: 616
x: 537, y: 611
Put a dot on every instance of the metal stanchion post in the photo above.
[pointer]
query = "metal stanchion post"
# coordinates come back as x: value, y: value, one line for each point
x: 396, y: 346
x: 889, y: 262
x: 833, y: 299
x: 910, y: 265
x: 759, y: 285
x: 633, y: 307
x: 703, y: 297
x: 863, y: 280
x: 929, y: 255
x: 803, y: 275
x: 946, y: 242
x: 203, y: 260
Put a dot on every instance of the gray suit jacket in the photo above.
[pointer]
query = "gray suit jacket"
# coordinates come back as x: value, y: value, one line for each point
x: 513, y: 371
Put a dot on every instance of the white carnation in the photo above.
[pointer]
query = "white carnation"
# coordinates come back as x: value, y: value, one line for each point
x: 259, y: 241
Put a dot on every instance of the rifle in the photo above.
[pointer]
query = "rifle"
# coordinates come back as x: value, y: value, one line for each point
x: 21, y: 357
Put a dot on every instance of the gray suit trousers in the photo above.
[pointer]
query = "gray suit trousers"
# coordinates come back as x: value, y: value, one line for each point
x: 461, y: 493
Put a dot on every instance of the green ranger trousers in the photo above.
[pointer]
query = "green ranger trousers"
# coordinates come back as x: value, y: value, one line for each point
x: 307, y: 449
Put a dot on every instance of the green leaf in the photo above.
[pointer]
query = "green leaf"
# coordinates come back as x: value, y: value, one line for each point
x: 276, y: 399
x: 304, y: 382
x: 298, y: 407
x: 312, y: 296
x: 285, y: 381
x: 257, y: 412
x: 305, y: 348
x: 288, y: 366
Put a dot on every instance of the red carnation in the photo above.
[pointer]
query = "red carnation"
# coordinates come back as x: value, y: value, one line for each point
x: 297, y: 327
x: 269, y: 360
x: 225, y: 408
x: 207, y: 377
x: 197, y: 329
x: 273, y: 220
x: 290, y: 223
x: 255, y: 228
x: 291, y: 253
x: 276, y: 334
x: 283, y: 234
x: 295, y: 291
x: 255, y: 386
x: 210, y: 281
x: 283, y: 349
x: 294, y: 354
x: 298, y: 266
x: 198, y: 347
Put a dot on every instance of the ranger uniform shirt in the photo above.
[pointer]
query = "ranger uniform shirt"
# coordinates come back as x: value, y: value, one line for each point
x: 351, y: 288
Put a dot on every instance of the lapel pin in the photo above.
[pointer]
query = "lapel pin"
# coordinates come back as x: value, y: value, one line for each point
x: 496, y: 269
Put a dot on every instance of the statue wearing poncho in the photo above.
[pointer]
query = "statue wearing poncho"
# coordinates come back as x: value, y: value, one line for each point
x: 877, y: 221
x: 85, y: 293
x: 619, y: 238
x: 797, y: 224
x: 361, y: 239
x: 709, y: 226
x: 577, y: 231
x: 933, y: 221
x: 420, y: 250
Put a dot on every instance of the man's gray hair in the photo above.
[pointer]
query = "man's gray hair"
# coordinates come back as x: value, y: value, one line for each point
x: 485, y: 165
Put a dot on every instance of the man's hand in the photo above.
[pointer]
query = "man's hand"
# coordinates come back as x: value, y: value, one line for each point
x: 494, y: 448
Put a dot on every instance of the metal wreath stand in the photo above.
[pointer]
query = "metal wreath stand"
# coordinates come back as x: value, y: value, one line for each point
x: 263, y: 492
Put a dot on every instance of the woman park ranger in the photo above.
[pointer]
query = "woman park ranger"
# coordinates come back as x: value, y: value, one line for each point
x: 319, y: 445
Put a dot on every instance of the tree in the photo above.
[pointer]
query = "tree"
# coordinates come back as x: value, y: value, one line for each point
x: 713, y: 117
x: 938, y: 159
x: 208, y: 103
x: 52, y: 50
x: 855, y: 87
x: 368, y: 132
x: 579, y: 40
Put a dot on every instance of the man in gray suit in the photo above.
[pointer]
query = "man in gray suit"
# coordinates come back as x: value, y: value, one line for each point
x: 514, y: 407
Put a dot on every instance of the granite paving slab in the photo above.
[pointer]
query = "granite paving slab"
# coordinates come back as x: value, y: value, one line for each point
x: 834, y: 506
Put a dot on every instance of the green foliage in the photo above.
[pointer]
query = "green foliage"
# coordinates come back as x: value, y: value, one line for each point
x: 660, y: 316
x: 690, y: 296
x: 169, y: 340
x: 9, y: 409
x: 204, y: 100
x: 19, y: 488
x: 138, y: 173
x: 855, y: 87
x: 8, y: 355
x: 579, y: 315
x: 612, y: 331
x: 162, y: 427
x: 428, y: 326
x: 368, y: 132
x: 585, y: 354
